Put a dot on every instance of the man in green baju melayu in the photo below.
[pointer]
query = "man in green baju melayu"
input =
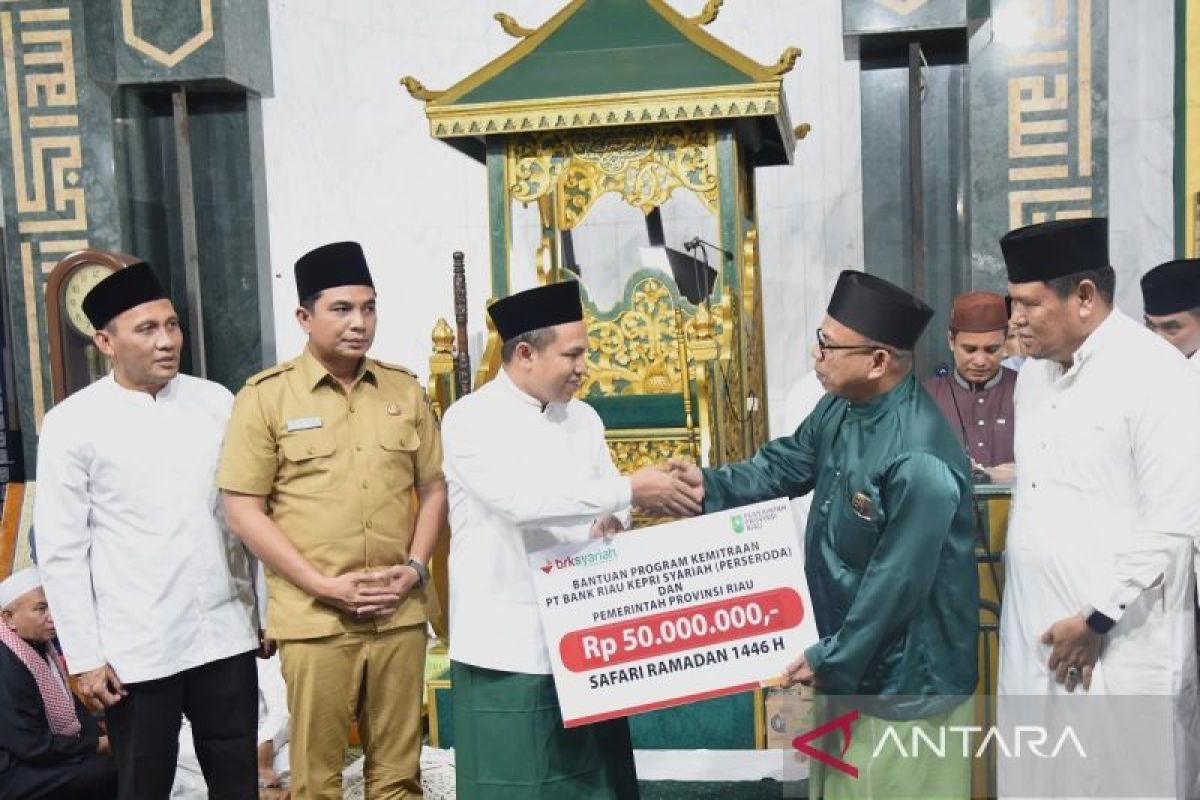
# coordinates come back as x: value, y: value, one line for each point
x: 889, y: 548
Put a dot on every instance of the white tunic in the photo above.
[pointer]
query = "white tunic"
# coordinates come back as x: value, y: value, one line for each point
x: 520, y: 478
x: 1105, y: 510
x: 139, y: 567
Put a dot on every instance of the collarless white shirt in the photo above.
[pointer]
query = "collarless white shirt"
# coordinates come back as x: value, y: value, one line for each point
x: 1105, y: 510
x: 521, y: 476
x: 139, y: 567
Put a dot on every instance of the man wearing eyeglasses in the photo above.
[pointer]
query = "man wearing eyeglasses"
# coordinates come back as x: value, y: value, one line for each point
x: 889, y: 551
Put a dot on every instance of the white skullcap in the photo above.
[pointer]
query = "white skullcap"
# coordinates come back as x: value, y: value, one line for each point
x: 18, y: 584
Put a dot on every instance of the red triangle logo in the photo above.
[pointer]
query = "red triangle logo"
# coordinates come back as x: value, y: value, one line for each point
x: 842, y: 723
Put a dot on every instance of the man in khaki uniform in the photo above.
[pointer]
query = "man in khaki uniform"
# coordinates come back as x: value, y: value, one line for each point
x: 320, y: 462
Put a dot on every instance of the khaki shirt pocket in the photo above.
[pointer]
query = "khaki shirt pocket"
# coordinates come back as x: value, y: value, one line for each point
x: 308, y: 460
x: 399, y: 442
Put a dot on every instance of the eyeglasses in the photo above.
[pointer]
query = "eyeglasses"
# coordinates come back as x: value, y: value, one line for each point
x: 824, y: 348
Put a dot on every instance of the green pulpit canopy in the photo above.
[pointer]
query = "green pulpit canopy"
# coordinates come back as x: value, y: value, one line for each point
x: 601, y: 63
x: 632, y: 99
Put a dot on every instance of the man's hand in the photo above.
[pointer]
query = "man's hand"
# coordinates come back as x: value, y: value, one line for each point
x: 268, y: 778
x: 660, y: 491
x: 101, y: 687
x: 401, y: 579
x: 103, y: 747
x: 606, y: 526
x: 266, y: 645
x: 689, y: 473
x: 798, y: 672
x: 1073, y: 644
x: 362, y: 593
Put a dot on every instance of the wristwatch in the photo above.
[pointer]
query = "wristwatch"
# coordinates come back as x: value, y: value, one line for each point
x: 422, y: 572
x: 1097, y: 621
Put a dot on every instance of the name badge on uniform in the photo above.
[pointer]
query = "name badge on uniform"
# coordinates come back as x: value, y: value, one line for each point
x: 304, y: 424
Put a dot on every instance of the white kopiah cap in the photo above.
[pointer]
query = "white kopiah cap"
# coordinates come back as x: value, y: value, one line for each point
x: 18, y: 584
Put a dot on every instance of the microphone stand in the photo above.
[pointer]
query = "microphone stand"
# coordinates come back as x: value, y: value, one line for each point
x: 691, y: 246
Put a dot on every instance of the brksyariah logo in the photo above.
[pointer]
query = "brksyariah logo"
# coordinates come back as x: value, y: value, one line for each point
x: 582, y: 560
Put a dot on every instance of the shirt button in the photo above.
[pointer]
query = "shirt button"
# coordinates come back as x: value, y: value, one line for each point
x: 311, y: 451
x: 980, y: 422
x: 1034, y: 484
x: 358, y: 447
x: 981, y: 401
x: 367, y: 525
x: 351, y: 409
x: 981, y: 444
x: 364, y: 484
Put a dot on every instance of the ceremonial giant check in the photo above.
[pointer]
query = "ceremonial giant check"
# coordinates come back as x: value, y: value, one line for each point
x: 676, y: 613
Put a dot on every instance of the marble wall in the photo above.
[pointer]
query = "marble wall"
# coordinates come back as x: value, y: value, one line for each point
x: 76, y: 170
x: 1039, y: 122
x: 56, y: 178
x: 1132, y: 179
x: 1141, y: 130
x: 349, y: 156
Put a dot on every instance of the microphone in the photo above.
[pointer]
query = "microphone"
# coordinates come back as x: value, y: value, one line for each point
x: 941, y: 371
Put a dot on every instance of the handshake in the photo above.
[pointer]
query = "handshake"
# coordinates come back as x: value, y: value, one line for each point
x: 672, y: 489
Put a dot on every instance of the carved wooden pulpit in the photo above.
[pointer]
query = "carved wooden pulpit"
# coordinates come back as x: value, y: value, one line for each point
x: 621, y: 141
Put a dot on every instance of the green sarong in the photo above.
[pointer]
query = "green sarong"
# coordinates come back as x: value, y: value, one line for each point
x: 890, y: 767
x: 509, y: 742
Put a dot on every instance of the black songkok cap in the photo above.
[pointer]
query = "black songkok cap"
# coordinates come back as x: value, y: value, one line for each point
x: 878, y: 310
x: 543, y: 307
x: 337, y: 264
x: 1172, y: 287
x: 127, y: 287
x: 1055, y: 249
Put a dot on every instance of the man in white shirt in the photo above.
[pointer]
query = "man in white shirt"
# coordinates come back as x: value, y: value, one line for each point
x: 152, y: 596
x: 1171, y: 300
x: 1099, y: 588
x: 527, y: 467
